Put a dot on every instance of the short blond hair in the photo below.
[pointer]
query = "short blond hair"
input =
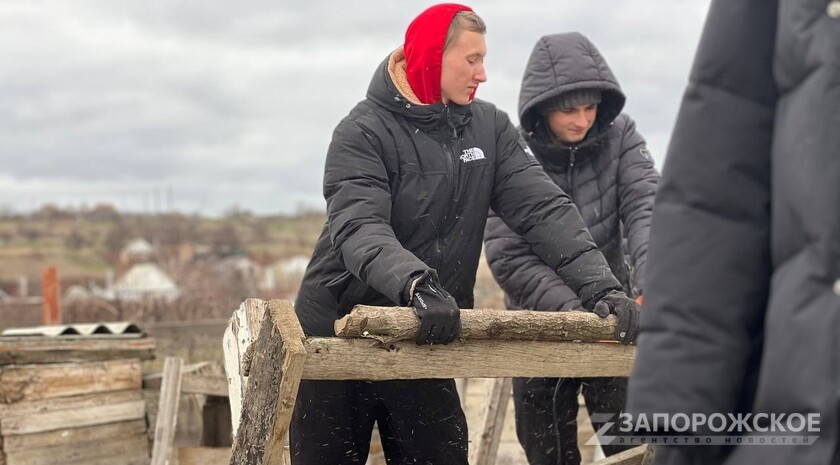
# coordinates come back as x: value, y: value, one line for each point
x: 464, y: 20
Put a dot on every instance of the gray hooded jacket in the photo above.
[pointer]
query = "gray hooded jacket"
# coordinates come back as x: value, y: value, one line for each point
x: 609, y: 176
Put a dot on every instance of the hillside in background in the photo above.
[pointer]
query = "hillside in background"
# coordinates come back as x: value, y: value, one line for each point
x: 85, y: 244
x: 164, y: 267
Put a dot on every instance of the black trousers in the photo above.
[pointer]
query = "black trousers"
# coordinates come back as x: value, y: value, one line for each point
x: 553, y: 440
x: 420, y: 422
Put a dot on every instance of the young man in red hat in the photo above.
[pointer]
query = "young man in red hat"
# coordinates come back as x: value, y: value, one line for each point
x: 410, y: 175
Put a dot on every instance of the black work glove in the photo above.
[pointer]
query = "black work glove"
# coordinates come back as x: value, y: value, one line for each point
x: 440, y: 317
x: 627, y: 311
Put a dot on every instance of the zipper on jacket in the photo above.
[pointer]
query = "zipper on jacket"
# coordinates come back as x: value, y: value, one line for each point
x: 452, y: 182
x: 571, y: 175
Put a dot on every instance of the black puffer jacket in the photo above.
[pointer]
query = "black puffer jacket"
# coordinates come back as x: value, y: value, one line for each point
x: 408, y: 188
x: 609, y: 176
x: 742, y: 311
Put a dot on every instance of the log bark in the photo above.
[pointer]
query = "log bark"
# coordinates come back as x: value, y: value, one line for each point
x: 391, y: 324
x: 275, y: 371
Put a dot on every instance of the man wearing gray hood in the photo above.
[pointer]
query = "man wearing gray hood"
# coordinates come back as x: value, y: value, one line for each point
x: 570, y: 112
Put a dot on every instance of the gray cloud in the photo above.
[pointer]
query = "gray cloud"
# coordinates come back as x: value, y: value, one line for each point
x: 222, y: 105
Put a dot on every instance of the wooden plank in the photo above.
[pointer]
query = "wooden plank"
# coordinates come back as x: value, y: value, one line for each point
x: 278, y: 352
x: 71, y: 349
x: 628, y: 457
x: 69, y: 403
x: 204, y: 455
x: 126, y: 450
x: 64, y: 419
x: 36, y: 382
x: 486, y: 446
x: 170, y: 395
x: 391, y: 324
x: 74, y: 435
x: 208, y: 385
x: 336, y: 358
x: 244, y: 326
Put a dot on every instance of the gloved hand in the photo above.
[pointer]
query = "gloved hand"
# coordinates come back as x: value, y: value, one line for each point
x: 440, y: 317
x: 627, y: 311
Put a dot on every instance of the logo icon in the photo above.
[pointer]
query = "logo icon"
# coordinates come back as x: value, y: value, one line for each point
x: 472, y: 154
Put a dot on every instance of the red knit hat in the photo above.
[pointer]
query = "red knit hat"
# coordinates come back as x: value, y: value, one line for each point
x: 424, y: 41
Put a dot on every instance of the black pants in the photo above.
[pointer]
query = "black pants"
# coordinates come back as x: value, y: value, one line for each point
x: 550, y: 440
x: 420, y: 422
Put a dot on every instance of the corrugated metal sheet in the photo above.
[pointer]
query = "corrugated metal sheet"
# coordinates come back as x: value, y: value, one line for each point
x: 122, y: 328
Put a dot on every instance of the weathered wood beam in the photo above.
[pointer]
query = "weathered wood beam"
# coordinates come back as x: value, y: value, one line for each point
x: 170, y: 395
x: 71, y: 412
x: 37, y: 382
x: 69, y: 349
x: 337, y: 358
x: 74, y: 435
x: 129, y: 450
x: 208, y: 385
x: 485, y: 447
x: 391, y: 324
x: 244, y: 326
x: 275, y: 372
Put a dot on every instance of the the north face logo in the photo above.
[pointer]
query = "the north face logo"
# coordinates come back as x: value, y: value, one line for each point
x: 472, y: 154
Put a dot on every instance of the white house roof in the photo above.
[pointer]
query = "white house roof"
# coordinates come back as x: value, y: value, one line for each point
x: 145, y: 280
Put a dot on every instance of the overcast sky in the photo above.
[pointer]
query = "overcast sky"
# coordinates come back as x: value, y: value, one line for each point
x: 206, y: 105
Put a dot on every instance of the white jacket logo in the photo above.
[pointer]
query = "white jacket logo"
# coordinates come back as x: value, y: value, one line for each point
x: 472, y: 154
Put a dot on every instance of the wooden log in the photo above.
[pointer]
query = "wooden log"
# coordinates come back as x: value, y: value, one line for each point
x: 70, y: 349
x: 486, y: 447
x: 36, y: 382
x: 64, y: 413
x: 74, y: 435
x: 628, y: 457
x: 391, y: 324
x: 272, y: 388
x: 170, y: 395
x: 336, y: 359
x: 132, y: 450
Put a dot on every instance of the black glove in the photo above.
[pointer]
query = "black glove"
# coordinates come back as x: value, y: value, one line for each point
x: 627, y: 311
x: 440, y: 317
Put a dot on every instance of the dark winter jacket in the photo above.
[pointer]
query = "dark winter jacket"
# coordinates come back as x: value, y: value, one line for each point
x: 742, y: 311
x: 609, y: 176
x: 408, y: 188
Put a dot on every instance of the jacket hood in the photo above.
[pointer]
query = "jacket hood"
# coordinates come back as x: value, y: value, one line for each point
x: 563, y: 62
x: 424, y: 41
x: 390, y: 89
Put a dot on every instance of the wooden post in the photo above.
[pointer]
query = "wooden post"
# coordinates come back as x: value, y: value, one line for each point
x: 486, y: 447
x: 52, y: 311
x: 170, y: 395
x: 274, y: 376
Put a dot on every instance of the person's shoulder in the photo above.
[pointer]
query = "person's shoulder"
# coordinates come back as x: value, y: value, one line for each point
x: 363, y: 116
x: 482, y: 109
x: 623, y: 122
